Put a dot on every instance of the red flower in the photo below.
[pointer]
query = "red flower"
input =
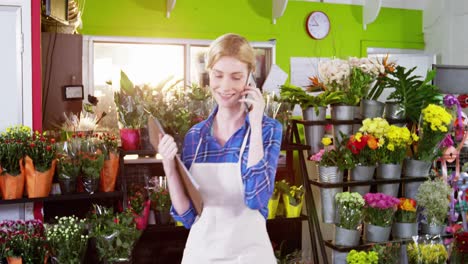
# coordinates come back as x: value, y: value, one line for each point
x: 52, y: 140
x: 32, y: 145
x: 463, y: 99
x: 116, y: 220
x: 48, y: 148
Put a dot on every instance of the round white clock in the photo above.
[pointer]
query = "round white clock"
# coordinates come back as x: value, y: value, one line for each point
x: 318, y: 25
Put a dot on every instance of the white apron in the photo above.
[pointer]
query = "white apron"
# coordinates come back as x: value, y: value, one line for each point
x: 227, y: 232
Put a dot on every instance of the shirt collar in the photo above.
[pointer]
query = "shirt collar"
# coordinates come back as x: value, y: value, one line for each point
x: 205, y: 130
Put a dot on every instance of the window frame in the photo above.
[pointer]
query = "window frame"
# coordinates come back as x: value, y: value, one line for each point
x: 88, y: 53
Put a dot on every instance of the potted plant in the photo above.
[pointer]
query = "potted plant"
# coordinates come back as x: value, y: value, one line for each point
x: 92, y: 162
x: 434, y: 253
x: 40, y: 162
x: 390, y: 157
x: 114, y: 234
x: 412, y: 93
x: 293, y: 198
x: 109, y: 148
x: 433, y: 197
x: 160, y: 201
x: 69, y: 170
x: 362, y: 257
x: 332, y: 161
x: 349, y: 217
x: 313, y: 108
x: 139, y: 205
x: 67, y: 239
x: 405, y: 224
x: 12, y: 173
x: 273, y: 202
x: 379, y: 210
x: 388, y: 253
x: 130, y: 112
x: 364, y: 145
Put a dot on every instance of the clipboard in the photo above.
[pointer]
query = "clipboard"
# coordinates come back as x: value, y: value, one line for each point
x: 190, y: 185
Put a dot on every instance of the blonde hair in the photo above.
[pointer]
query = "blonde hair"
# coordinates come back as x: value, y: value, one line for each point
x: 232, y: 45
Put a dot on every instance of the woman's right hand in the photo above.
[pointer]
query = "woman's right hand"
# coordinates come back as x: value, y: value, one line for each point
x: 167, y: 148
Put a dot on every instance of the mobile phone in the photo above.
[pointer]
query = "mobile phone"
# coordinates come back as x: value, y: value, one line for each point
x: 250, y: 81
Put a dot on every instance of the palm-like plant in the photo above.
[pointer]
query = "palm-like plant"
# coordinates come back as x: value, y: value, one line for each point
x: 297, y: 95
x: 412, y: 92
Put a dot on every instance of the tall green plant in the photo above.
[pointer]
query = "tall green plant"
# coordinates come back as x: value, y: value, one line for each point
x: 128, y: 103
x: 412, y: 92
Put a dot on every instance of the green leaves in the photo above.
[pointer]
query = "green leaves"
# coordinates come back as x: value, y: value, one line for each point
x: 297, y: 95
x: 413, y: 93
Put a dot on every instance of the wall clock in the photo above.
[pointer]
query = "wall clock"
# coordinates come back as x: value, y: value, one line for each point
x: 318, y: 25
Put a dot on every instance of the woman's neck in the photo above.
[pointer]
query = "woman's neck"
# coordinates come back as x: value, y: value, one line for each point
x: 226, y: 123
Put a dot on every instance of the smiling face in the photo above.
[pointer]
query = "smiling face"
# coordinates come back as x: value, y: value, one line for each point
x: 228, y: 77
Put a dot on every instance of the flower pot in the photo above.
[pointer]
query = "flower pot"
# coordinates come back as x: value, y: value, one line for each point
x: 292, y: 211
x: 373, y: 233
x: 342, y: 113
x: 14, y: 260
x: 394, y: 111
x: 404, y: 230
x: 38, y: 184
x: 339, y: 257
x: 362, y: 173
x: 272, y: 207
x: 109, y: 173
x: 67, y: 186
x: 415, y: 168
x: 142, y: 219
x: 12, y: 187
x: 330, y: 175
x: 347, y: 237
x: 130, y: 138
x: 163, y: 217
x: 371, y: 108
x: 432, y: 229
x: 388, y: 171
x: 314, y: 134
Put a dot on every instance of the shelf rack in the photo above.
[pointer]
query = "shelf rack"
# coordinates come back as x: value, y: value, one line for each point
x: 317, y: 242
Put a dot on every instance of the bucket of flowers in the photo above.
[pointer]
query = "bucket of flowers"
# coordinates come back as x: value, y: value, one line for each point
x: 362, y: 257
x: 348, y: 218
x: 12, y: 173
x: 160, y: 200
x: 67, y: 239
x: 405, y: 224
x: 293, y: 198
x: 379, y: 210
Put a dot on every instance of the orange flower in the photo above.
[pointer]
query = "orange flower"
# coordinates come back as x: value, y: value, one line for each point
x: 372, y: 142
x: 316, y: 85
x: 407, y: 204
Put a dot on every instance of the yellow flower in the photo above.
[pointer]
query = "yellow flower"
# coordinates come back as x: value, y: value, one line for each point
x: 326, y: 141
x: 415, y: 137
x: 391, y: 147
x: 358, y: 136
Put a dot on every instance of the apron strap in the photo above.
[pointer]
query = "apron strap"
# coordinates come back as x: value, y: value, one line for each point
x: 196, y: 152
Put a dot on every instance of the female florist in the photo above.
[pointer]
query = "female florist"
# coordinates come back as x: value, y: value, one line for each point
x: 393, y: 184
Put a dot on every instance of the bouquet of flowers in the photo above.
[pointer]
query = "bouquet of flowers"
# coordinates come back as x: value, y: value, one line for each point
x: 115, y: 234
x: 433, y: 128
x: 362, y: 257
x: 433, y: 196
x: 351, y: 77
x: 349, y: 210
x: 388, y: 253
x: 294, y: 193
x: 406, y: 212
x: 426, y: 252
x: 396, y: 142
x: 12, y: 148
x: 379, y: 209
x: 67, y: 239
x: 334, y: 155
x: 364, y: 144
x: 41, y: 151
x: 159, y: 196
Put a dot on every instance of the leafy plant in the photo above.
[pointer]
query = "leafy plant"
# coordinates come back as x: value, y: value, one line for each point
x: 426, y: 253
x: 334, y: 155
x: 433, y: 196
x: 297, y: 95
x: 406, y: 212
x: 294, y: 193
x: 115, y: 234
x: 68, y: 168
x: 91, y: 165
x: 128, y: 103
x: 362, y: 257
x: 12, y: 148
x: 41, y: 150
x: 381, y: 82
x: 388, y: 253
x: 412, y: 92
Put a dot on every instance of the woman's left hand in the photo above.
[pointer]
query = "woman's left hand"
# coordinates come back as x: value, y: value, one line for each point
x: 255, y: 99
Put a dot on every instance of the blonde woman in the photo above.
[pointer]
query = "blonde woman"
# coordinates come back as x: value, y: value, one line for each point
x: 233, y: 155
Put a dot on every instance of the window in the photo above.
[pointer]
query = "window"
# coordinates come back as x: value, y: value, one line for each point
x: 150, y: 61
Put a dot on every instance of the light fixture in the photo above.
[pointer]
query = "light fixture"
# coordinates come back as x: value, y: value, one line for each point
x: 370, y: 11
x: 278, y: 9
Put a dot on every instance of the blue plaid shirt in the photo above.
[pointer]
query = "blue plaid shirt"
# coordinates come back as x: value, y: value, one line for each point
x: 259, y: 179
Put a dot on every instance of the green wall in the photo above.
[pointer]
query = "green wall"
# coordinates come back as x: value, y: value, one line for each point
x: 207, y: 19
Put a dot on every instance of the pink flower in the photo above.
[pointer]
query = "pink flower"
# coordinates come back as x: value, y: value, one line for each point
x: 317, y: 156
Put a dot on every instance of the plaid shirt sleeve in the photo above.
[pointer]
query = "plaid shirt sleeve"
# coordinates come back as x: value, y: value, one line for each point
x: 191, y: 139
x: 259, y: 179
